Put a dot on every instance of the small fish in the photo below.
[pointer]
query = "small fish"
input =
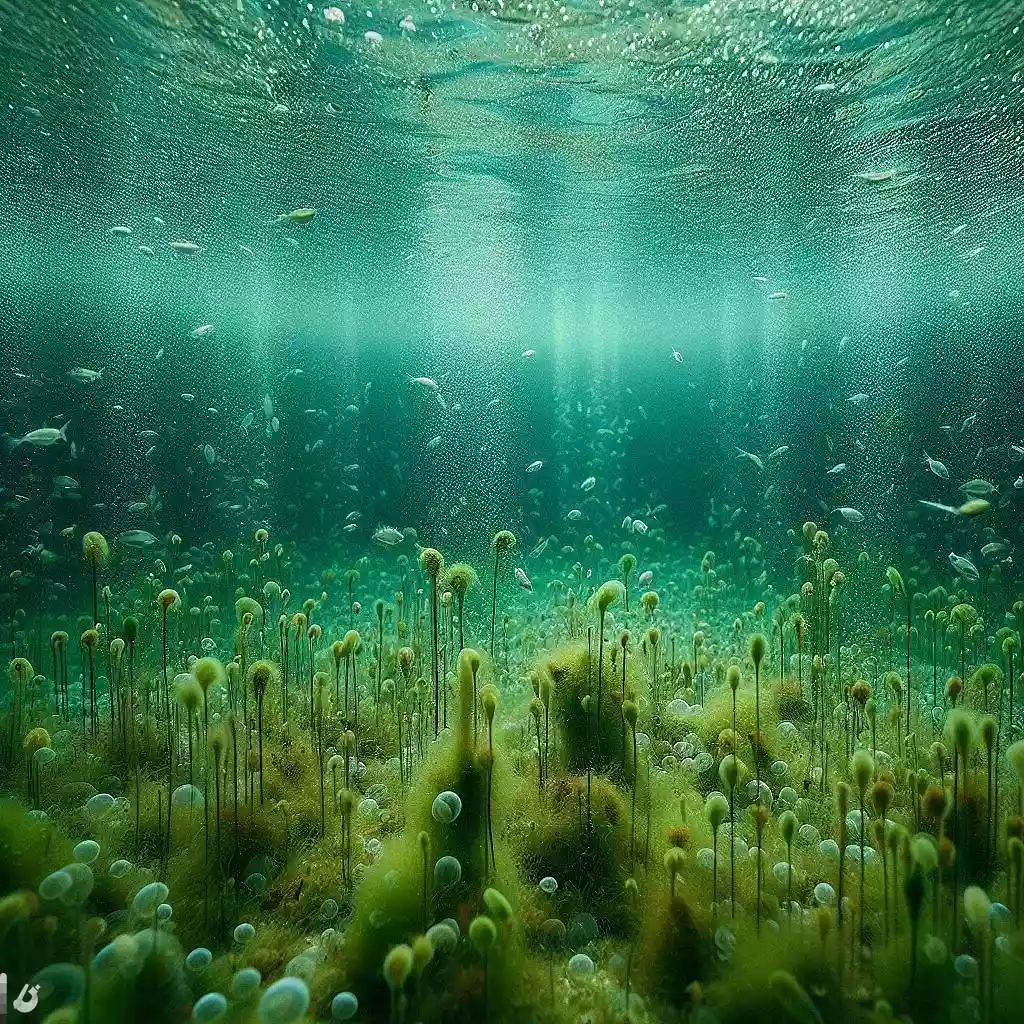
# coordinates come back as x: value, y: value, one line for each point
x: 750, y: 457
x: 778, y: 296
x: 969, y: 422
x: 993, y: 548
x: 66, y: 483
x: 202, y: 331
x: 523, y: 580
x: 188, y: 397
x: 529, y: 353
x: 876, y: 177
x: 42, y: 437
x: 349, y: 527
x: 260, y: 484
x: 974, y: 507
x: 82, y: 375
x: 858, y: 399
x: 535, y: 466
x: 159, y: 355
x: 209, y: 454
x: 352, y: 467
x: 427, y: 383
x: 646, y: 578
x: 589, y: 483
x: 147, y: 250
x: 573, y: 515
x: 839, y: 467
x: 639, y: 526
x: 627, y: 524
x: 353, y: 516
x: 137, y: 539
x: 120, y: 229
x: 185, y: 247
x: 434, y: 442
x: 1019, y: 482
x: 936, y: 467
x: 978, y: 488
x: 138, y: 506
x: 388, y: 536
x: 247, y: 250
x: 677, y: 355
x: 781, y: 450
x: 303, y: 215
x: 851, y: 515
x: 964, y: 566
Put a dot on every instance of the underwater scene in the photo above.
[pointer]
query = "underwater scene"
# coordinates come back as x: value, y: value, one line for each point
x: 510, y: 511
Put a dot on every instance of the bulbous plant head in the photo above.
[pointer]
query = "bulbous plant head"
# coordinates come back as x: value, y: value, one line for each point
x: 627, y: 563
x: 262, y: 674
x: 630, y: 713
x: 167, y: 599
x: 862, y: 768
x: 90, y: 639
x: 988, y: 730
x: 977, y: 908
x: 398, y: 967
x: 730, y: 770
x: 354, y: 641
x: 207, y: 672
x: 960, y: 731
x: 503, y: 542
x: 378, y: 610
x: 246, y: 605
x: 20, y: 670
x: 489, y: 701
x: 422, y: 953
x: 733, y: 677
x: 1015, y: 758
x: 460, y: 577
x: 609, y: 593
x: 95, y: 548
x: 716, y: 809
x: 650, y: 601
x: 482, y: 933
x: 788, y: 824
x: 432, y: 562
x: 188, y: 692
x: 758, y: 646
x: 338, y: 651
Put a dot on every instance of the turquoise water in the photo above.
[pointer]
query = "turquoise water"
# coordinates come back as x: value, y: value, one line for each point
x: 293, y: 292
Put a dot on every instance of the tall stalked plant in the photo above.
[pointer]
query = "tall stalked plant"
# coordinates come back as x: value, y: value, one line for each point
x: 607, y: 594
x: 432, y: 563
x: 503, y: 543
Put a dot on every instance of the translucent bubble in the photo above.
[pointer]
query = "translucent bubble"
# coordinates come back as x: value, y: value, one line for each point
x: 302, y: 966
x: 725, y: 942
x: 98, y: 805
x: 368, y: 808
x: 256, y: 883
x: 706, y: 858
x: 210, y: 1007
x: 779, y: 770
x: 285, y: 1002
x: 245, y: 982
x: 379, y: 791
x: 808, y: 835
x: 678, y: 707
x: 825, y: 894
x: 935, y: 949
x: 148, y: 898
x: 373, y: 848
x: 43, y: 756
x: 548, y: 885
x: 164, y: 912
x: 188, y: 796
x: 54, y: 885
x: 703, y: 762
x: 209, y: 645
x: 82, y: 882
x: 86, y: 851
x: 999, y: 915
x: 344, y: 1006
x: 783, y: 871
x: 829, y: 849
x: 446, y: 807
x: 582, y: 929
x: 759, y: 794
x: 580, y: 965
x: 447, y: 871
x: 198, y: 958
x: 966, y: 966
x: 329, y: 910
x: 119, y: 868
x: 443, y: 939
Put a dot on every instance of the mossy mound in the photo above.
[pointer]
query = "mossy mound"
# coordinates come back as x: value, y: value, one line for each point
x: 595, y: 738
x: 673, y: 950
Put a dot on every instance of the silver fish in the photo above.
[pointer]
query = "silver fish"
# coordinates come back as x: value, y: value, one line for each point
x: 936, y: 467
x: 523, y: 580
x: 750, y: 457
x: 388, y: 536
x: 42, y: 437
x: 851, y: 515
x: 137, y: 539
x: 964, y: 566
x: 82, y: 375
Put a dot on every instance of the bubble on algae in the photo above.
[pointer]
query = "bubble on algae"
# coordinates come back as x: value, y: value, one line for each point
x: 148, y: 898
x: 98, y: 805
x: 446, y: 807
x: 198, y: 958
x: 119, y: 868
x: 344, y: 1006
x: 55, y: 885
x: 121, y: 957
x: 86, y: 851
x: 447, y: 872
x: 164, y: 912
x: 285, y: 1002
x: 82, y: 882
x: 209, y: 1007
x: 188, y: 796
x: 245, y: 983
x: 581, y: 966
x: 244, y: 933
x: 548, y: 885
